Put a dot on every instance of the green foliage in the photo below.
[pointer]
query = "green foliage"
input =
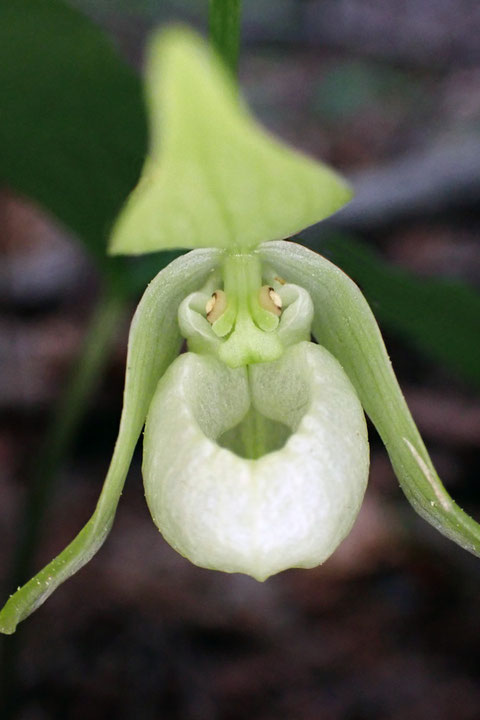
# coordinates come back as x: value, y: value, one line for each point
x: 353, y: 87
x: 439, y: 316
x: 72, y: 126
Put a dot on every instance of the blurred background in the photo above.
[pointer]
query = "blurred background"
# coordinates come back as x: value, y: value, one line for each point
x: 387, y: 92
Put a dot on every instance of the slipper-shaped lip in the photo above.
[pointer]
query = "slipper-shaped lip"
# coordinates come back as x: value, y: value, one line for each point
x: 291, y: 507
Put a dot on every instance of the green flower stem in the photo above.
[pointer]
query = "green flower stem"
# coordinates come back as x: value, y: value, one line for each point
x: 224, y: 29
x: 70, y: 410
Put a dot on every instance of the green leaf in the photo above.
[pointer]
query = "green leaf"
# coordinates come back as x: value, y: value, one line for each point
x: 153, y: 343
x: 72, y: 122
x: 214, y: 177
x: 440, y: 316
x: 345, y: 325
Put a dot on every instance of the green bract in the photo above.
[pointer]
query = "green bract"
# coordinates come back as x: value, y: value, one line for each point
x: 255, y: 451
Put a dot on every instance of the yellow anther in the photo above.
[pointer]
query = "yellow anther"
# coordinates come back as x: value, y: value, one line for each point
x: 270, y: 300
x: 216, y: 306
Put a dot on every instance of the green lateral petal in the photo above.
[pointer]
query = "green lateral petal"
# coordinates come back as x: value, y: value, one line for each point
x: 345, y: 325
x: 153, y: 343
x: 214, y: 176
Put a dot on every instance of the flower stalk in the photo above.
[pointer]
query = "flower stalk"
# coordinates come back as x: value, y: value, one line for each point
x: 224, y: 19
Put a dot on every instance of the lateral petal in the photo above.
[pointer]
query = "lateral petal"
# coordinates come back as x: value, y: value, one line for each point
x: 345, y: 325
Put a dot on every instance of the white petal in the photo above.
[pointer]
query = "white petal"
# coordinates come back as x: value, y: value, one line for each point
x: 291, y: 507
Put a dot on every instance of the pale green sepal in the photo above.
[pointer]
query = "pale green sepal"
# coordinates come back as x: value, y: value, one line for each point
x: 153, y: 343
x: 292, y: 506
x: 214, y: 177
x: 345, y: 325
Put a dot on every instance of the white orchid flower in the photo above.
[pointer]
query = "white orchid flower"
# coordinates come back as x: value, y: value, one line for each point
x: 255, y: 450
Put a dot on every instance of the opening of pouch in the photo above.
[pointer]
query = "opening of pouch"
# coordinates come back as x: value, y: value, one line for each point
x: 255, y: 436
x: 250, y: 411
